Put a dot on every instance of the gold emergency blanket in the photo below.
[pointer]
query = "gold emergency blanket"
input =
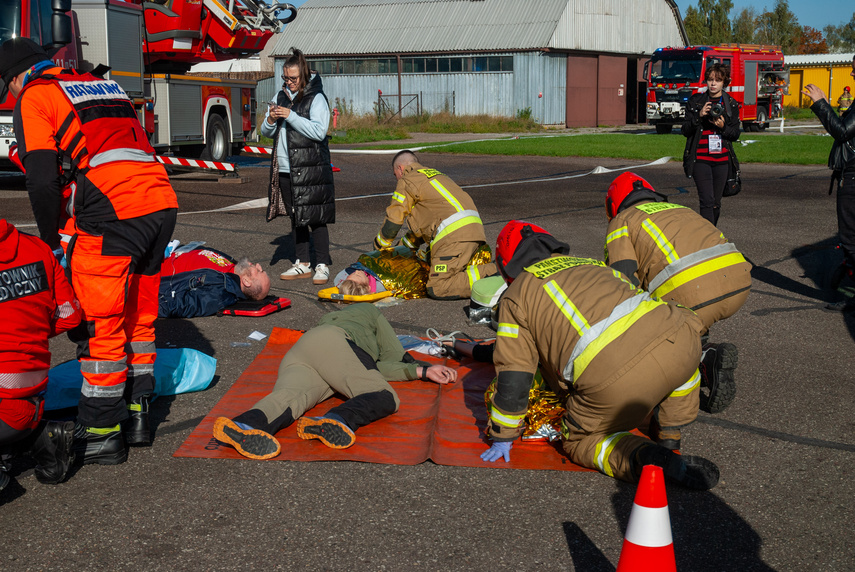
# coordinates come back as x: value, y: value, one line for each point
x: 400, y: 271
x: 543, y: 418
x: 481, y: 256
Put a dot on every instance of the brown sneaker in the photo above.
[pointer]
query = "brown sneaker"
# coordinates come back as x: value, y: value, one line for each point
x: 251, y: 443
x: 331, y: 432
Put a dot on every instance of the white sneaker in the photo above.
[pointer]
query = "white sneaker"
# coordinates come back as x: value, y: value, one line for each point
x: 322, y: 274
x: 297, y: 271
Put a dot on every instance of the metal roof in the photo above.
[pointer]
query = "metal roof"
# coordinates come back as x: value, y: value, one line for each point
x: 342, y: 27
x: 819, y: 59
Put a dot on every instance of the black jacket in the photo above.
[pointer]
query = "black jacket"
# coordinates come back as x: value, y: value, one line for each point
x: 693, y: 125
x: 842, y: 129
x: 312, y: 188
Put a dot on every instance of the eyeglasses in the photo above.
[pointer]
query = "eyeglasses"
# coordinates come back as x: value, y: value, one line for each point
x: 290, y: 79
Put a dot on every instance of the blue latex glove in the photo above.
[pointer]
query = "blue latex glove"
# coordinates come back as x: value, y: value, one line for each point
x: 496, y: 450
x: 60, y: 257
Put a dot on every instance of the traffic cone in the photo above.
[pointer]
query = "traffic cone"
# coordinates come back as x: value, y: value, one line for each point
x: 647, y: 545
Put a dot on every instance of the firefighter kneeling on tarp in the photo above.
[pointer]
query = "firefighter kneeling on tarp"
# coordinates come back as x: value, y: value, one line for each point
x: 36, y: 303
x: 608, y: 349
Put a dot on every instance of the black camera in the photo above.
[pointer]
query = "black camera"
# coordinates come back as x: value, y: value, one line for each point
x: 716, y: 111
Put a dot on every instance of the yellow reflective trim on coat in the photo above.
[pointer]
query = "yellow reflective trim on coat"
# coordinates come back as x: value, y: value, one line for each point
x: 650, y: 208
x: 570, y: 311
x: 508, y: 330
x: 446, y: 194
x: 610, y: 334
x: 472, y: 273
x: 604, y: 450
x: 661, y: 241
x: 398, y: 197
x: 697, y: 271
x: 512, y: 421
x: 688, y: 387
x: 383, y: 241
x: 616, y: 234
x: 455, y: 226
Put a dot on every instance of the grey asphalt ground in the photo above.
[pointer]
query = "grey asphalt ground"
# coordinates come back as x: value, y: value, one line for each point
x: 785, y: 447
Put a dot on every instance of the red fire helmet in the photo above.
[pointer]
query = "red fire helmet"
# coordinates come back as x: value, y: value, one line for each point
x: 622, y: 186
x: 510, y: 238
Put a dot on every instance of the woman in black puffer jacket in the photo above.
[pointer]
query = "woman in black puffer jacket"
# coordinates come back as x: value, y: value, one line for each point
x: 710, y: 127
x: 842, y: 162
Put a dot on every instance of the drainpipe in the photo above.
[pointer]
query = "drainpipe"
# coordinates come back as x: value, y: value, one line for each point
x: 400, y: 99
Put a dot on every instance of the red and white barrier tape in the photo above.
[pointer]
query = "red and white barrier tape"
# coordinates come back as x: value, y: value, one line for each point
x: 259, y: 150
x: 213, y: 165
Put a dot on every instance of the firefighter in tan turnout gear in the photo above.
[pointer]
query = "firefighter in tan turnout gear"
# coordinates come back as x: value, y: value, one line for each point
x: 609, y: 350
x: 442, y: 215
x: 676, y: 255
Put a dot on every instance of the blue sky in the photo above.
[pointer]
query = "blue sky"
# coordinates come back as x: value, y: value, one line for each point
x: 814, y: 13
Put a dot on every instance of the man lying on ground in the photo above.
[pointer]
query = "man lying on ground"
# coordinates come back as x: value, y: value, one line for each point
x: 353, y: 352
x: 204, y: 281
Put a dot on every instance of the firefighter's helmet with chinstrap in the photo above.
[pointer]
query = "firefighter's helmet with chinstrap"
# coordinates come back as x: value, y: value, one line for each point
x: 621, y: 187
x: 510, y: 238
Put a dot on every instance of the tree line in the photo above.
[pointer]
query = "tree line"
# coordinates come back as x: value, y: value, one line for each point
x: 710, y: 24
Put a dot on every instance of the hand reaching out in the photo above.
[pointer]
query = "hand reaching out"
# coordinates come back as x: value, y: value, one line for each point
x: 814, y: 93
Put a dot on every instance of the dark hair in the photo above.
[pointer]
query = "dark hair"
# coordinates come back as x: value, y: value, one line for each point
x: 720, y: 70
x: 404, y: 157
x: 298, y: 60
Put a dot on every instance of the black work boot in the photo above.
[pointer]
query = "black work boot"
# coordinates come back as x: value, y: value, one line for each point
x: 695, y: 473
x: 99, y: 445
x: 52, y: 451
x: 716, y: 367
x: 137, y: 431
x: 668, y: 437
x: 5, y: 478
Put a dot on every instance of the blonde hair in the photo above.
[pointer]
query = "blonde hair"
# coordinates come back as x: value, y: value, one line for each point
x: 352, y: 288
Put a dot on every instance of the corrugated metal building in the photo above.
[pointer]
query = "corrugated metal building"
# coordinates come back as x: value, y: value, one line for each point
x: 830, y: 72
x: 571, y: 62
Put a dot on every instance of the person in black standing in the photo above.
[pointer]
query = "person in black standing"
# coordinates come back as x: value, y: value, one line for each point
x: 842, y: 162
x: 301, y: 178
x: 710, y: 127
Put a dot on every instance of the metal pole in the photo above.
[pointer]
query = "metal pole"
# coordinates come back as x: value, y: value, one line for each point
x: 400, y: 102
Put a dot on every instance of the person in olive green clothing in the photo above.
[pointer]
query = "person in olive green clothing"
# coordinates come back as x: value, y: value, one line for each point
x: 353, y: 352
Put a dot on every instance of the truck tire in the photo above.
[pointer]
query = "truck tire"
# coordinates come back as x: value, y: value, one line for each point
x: 663, y: 128
x: 762, y: 118
x: 217, y: 144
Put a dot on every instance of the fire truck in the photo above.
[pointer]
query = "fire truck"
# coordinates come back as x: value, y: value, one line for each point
x: 148, y: 48
x: 758, y: 81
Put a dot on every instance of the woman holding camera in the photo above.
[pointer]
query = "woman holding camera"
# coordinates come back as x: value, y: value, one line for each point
x: 711, y: 126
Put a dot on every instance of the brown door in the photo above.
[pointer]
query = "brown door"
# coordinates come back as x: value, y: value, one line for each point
x: 581, y: 91
x: 611, y: 90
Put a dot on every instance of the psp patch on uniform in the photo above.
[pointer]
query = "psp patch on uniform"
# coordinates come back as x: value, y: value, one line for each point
x: 23, y: 281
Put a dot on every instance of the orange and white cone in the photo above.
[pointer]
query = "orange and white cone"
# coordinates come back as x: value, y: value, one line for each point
x: 647, y: 545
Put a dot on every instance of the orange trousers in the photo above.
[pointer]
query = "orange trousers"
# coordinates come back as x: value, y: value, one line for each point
x: 115, y: 273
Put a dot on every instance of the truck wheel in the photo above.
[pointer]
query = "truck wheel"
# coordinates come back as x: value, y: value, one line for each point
x: 663, y: 128
x: 217, y: 145
x: 762, y: 118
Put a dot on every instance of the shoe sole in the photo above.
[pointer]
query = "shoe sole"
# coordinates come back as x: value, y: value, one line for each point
x: 320, y: 282
x: 296, y: 276
x: 701, y: 474
x: 252, y: 443
x: 331, y: 433
x: 722, y: 394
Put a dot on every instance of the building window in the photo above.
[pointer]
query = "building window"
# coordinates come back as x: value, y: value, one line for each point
x: 428, y: 64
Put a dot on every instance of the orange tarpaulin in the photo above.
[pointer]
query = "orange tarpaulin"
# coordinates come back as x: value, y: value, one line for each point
x: 443, y: 423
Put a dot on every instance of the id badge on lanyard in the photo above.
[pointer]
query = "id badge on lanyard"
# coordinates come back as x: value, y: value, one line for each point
x: 715, y: 144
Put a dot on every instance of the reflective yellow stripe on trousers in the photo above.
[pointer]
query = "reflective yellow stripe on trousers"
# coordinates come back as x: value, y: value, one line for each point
x: 604, y: 449
x: 688, y: 387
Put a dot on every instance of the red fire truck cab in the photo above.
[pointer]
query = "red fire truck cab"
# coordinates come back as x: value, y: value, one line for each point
x: 758, y: 81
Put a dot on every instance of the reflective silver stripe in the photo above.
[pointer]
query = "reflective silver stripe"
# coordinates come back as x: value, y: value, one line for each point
x: 23, y: 379
x: 92, y: 366
x: 593, y: 332
x: 64, y: 310
x: 138, y: 369
x: 89, y: 390
x: 141, y: 348
x: 451, y: 220
x: 690, y: 260
x: 121, y: 155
